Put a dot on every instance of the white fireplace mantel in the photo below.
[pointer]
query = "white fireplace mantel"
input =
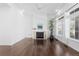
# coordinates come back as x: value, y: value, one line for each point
x: 34, y: 33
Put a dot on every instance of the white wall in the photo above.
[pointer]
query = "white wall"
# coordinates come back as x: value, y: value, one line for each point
x: 13, y: 26
x: 28, y: 26
x: 7, y: 26
x: 40, y: 19
x: 20, y: 27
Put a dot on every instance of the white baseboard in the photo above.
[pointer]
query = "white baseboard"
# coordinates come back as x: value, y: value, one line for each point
x: 74, y: 44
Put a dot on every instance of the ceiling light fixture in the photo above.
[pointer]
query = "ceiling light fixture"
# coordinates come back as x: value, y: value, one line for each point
x: 21, y: 12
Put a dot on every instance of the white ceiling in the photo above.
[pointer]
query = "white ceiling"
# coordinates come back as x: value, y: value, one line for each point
x: 42, y: 8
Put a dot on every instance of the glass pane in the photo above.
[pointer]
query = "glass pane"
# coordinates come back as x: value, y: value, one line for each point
x: 77, y: 27
x: 60, y: 27
x: 72, y: 28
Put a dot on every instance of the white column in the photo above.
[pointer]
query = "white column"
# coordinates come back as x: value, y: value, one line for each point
x: 56, y: 24
x: 66, y: 25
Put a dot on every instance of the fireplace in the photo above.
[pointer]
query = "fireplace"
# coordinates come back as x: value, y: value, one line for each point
x: 40, y: 35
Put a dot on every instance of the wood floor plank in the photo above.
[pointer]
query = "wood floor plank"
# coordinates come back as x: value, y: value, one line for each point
x: 31, y: 47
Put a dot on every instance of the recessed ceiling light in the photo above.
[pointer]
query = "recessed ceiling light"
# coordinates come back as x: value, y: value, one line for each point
x: 21, y: 12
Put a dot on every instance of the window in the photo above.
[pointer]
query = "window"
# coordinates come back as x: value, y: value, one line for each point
x: 74, y: 28
x: 77, y: 27
x: 60, y: 26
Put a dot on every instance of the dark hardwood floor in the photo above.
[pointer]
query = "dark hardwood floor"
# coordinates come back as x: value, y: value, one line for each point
x: 31, y: 47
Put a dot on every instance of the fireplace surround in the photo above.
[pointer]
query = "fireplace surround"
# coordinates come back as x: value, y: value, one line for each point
x: 40, y: 34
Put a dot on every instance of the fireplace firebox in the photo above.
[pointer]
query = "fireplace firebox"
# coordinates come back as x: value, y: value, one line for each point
x: 40, y: 35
